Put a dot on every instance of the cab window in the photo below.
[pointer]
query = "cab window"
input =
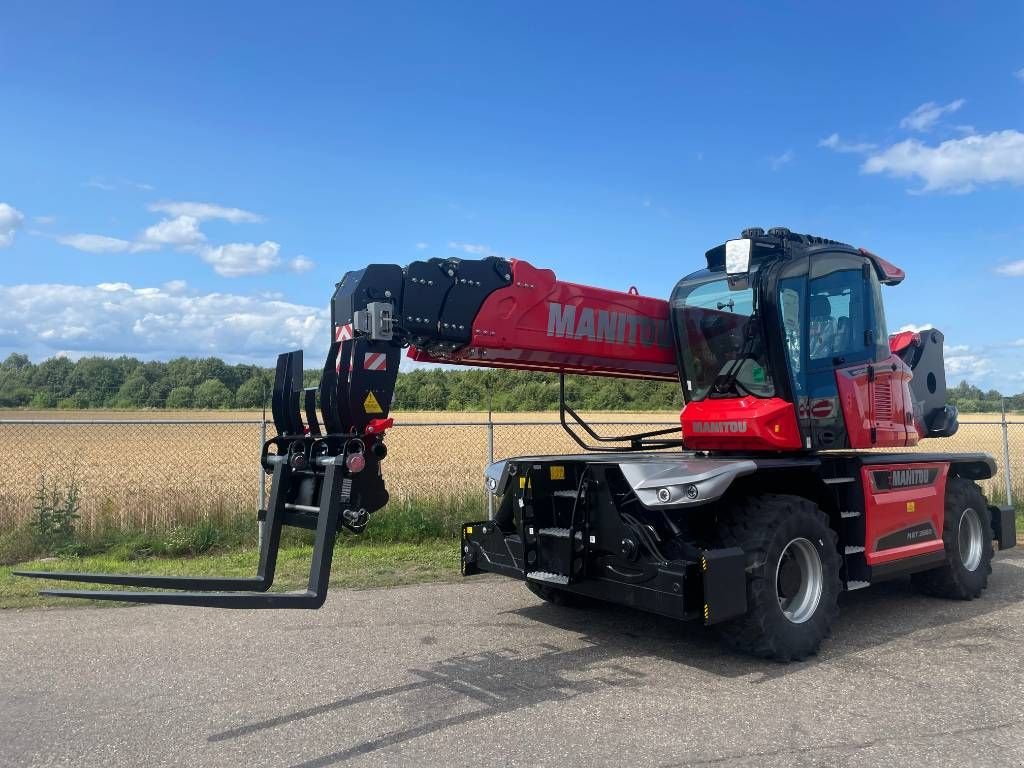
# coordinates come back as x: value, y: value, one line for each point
x: 838, y: 314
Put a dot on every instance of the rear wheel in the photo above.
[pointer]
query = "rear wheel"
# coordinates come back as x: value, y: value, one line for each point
x: 967, y: 537
x: 793, y: 579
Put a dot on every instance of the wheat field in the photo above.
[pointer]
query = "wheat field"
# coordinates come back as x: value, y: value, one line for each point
x: 154, y: 475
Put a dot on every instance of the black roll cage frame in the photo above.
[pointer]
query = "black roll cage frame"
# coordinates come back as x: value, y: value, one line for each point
x: 638, y: 441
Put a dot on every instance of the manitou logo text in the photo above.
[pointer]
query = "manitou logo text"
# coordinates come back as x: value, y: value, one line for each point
x: 719, y: 427
x: 612, y: 327
x: 896, y: 479
x: 904, y: 478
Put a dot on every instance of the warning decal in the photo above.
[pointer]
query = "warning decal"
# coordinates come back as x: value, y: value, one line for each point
x: 375, y: 361
x: 370, y: 404
x: 343, y: 332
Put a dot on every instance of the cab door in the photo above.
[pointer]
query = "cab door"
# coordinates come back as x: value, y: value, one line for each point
x: 841, y: 350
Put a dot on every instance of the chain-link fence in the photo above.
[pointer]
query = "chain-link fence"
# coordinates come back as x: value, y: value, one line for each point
x: 155, y: 474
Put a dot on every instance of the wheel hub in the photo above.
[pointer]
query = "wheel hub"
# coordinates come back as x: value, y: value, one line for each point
x: 789, y: 578
x: 799, y: 580
x: 970, y: 539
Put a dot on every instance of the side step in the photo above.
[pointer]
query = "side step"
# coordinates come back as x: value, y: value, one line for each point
x: 547, y: 576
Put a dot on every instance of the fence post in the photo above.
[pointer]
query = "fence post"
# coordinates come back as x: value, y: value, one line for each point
x: 1006, y: 456
x: 490, y: 460
x: 262, y: 496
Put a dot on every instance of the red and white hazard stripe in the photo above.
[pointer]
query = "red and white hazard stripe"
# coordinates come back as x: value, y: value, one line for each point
x: 341, y: 333
x: 375, y: 361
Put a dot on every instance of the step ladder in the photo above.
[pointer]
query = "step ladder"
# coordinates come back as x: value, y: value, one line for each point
x: 552, y: 554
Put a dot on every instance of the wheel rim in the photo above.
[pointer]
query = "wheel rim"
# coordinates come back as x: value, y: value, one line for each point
x: 970, y: 539
x: 798, y: 580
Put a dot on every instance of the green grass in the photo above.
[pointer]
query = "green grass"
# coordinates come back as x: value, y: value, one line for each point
x: 356, y: 565
x: 225, y: 530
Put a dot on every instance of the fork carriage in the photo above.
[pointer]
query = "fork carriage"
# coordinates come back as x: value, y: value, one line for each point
x: 323, y: 478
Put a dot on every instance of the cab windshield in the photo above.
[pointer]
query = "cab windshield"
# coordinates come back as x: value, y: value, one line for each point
x: 721, y: 342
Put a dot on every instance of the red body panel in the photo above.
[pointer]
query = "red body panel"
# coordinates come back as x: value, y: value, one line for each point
x: 882, y: 402
x: 542, y: 324
x: 903, y: 516
x: 741, y: 424
x: 888, y: 273
x: 900, y: 341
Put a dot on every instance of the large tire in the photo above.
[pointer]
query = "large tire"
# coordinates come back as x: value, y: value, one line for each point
x: 557, y: 596
x: 967, y: 536
x: 792, y: 556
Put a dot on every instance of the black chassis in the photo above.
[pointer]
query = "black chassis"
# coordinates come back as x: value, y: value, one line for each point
x: 574, y: 523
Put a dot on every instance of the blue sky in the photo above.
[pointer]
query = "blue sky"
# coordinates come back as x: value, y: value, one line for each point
x: 193, y: 179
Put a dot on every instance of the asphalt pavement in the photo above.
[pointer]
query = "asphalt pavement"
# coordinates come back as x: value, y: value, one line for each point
x: 481, y: 673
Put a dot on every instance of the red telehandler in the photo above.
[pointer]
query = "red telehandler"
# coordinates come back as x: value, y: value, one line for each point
x: 753, y: 517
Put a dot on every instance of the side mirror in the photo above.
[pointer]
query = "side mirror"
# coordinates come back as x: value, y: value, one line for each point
x: 737, y: 256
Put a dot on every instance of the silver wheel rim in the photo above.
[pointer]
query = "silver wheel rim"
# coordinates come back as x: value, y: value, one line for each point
x: 800, y: 606
x: 970, y: 539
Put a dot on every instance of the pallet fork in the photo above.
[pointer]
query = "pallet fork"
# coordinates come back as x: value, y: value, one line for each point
x: 317, y: 460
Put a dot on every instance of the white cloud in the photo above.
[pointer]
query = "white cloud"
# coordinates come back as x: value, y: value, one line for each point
x: 115, y: 318
x: 10, y: 221
x: 98, y: 182
x: 175, y: 286
x: 1019, y: 74
x: 204, y: 211
x: 103, y: 244
x: 1012, y: 269
x: 474, y: 248
x: 957, y: 165
x: 835, y: 143
x: 44, y: 220
x: 422, y: 246
x: 914, y: 328
x: 967, y: 365
x: 301, y: 264
x: 237, y: 259
x: 106, y: 186
x: 928, y: 114
x: 777, y: 161
x: 179, y: 231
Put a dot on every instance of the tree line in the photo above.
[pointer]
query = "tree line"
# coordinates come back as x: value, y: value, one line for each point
x: 125, y: 382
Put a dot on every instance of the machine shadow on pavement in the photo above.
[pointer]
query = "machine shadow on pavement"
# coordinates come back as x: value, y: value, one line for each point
x: 869, y: 618
x: 470, y: 687
x: 602, y: 646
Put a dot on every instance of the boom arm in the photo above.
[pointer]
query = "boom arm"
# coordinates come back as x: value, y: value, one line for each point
x: 489, y: 312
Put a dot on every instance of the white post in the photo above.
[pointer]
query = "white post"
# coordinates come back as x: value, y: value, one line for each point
x: 1006, y: 457
x: 490, y: 460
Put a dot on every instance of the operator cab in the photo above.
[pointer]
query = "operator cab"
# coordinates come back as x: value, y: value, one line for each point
x: 782, y: 345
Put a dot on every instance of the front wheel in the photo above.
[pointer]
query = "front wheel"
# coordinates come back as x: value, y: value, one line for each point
x: 967, y: 537
x: 793, y: 581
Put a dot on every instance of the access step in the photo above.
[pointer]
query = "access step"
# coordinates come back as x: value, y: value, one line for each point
x: 547, y: 576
